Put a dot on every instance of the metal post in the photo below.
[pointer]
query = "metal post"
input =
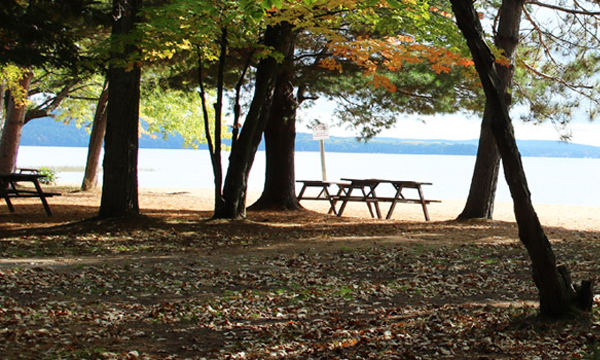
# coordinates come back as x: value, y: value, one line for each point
x: 322, y: 146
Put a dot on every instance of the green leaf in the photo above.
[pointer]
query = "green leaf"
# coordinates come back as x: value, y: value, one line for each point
x: 394, y: 3
x: 269, y: 4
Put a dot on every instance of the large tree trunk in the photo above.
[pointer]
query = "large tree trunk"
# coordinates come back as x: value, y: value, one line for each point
x: 119, y: 187
x: 556, y: 293
x: 482, y: 194
x: 13, y: 126
x: 279, y: 191
x: 90, y: 177
x: 242, y: 155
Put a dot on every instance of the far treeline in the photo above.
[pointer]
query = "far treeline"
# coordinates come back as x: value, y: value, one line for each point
x: 48, y: 132
x: 184, y: 65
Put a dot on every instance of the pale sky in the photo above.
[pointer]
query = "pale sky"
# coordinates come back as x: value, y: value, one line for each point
x: 456, y: 127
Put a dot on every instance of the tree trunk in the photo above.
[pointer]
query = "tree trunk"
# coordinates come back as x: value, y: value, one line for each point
x: 119, y: 187
x: 279, y: 192
x: 13, y: 126
x: 242, y: 155
x: 3, y: 93
x: 556, y: 293
x: 482, y: 194
x: 90, y: 178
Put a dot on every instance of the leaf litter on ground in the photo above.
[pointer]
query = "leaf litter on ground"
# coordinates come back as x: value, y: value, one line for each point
x: 284, y: 286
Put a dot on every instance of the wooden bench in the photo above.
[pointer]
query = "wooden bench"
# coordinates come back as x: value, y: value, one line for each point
x: 9, y: 188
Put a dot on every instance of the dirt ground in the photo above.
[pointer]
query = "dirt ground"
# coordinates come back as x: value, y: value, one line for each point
x: 74, y: 205
x: 174, y: 284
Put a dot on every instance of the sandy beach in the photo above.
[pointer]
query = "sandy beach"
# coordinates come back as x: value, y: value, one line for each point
x: 570, y: 217
x: 584, y: 218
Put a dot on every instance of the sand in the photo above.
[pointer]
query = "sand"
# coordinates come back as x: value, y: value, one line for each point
x: 567, y: 216
x: 584, y: 218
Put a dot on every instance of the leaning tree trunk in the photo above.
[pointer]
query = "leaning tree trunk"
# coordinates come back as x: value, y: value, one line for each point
x: 120, y: 185
x: 13, y: 127
x: 482, y: 194
x: 556, y: 293
x: 90, y: 177
x: 242, y: 155
x: 279, y: 192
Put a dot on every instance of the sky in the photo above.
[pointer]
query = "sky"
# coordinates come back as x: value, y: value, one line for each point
x: 455, y: 127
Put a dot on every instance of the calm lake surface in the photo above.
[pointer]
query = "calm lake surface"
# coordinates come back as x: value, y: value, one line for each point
x: 569, y: 181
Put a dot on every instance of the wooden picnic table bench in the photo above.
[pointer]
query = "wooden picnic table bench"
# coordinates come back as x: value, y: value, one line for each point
x: 9, y: 187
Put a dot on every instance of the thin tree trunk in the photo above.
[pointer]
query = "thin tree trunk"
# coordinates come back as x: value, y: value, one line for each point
x: 3, y: 89
x: 242, y: 155
x: 482, y: 194
x: 279, y: 191
x: 13, y: 126
x: 556, y: 293
x: 120, y: 184
x: 90, y: 178
x: 217, y: 162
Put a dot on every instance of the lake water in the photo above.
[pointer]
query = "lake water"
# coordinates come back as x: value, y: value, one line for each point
x: 570, y: 181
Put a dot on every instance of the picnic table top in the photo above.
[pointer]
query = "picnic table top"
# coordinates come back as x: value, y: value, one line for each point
x: 371, y: 182
x: 21, y: 176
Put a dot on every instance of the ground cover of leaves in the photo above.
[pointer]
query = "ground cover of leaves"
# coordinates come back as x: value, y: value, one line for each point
x: 296, y: 285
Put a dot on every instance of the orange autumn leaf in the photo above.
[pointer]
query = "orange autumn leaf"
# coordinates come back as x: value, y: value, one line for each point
x: 391, y: 53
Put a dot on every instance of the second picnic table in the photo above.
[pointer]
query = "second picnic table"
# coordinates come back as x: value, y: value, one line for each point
x: 9, y: 188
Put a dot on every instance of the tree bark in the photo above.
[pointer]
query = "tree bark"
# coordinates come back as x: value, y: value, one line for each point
x: 13, y: 126
x: 119, y: 187
x: 556, y: 294
x: 279, y: 192
x: 90, y: 177
x: 482, y: 194
x: 242, y: 155
x: 3, y: 93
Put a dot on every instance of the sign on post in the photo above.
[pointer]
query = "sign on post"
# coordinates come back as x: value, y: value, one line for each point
x: 321, y: 132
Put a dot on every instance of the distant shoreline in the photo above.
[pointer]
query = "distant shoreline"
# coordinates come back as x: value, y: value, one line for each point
x: 48, y: 132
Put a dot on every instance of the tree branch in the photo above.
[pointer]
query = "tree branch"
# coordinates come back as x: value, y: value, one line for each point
x: 554, y: 78
x: 564, y: 9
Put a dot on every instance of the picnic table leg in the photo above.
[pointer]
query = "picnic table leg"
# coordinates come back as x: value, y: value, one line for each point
x: 393, y: 204
x: 301, y: 192
x: 4, y: 187
x: 42, y: 197
x: 366, y: 197
x: 340, y: 193
x: 11, y: 208
x: 345, y: 201
x: 375, y: 203
x: 423, y: 203
x: 331, y: 201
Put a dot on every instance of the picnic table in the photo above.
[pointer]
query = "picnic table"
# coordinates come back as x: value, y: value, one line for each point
x: 364, y: 190
x: 323, y: 192
x: 9, y: 187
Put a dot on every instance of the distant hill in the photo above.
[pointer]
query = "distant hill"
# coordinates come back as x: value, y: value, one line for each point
x: 47, y: 132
